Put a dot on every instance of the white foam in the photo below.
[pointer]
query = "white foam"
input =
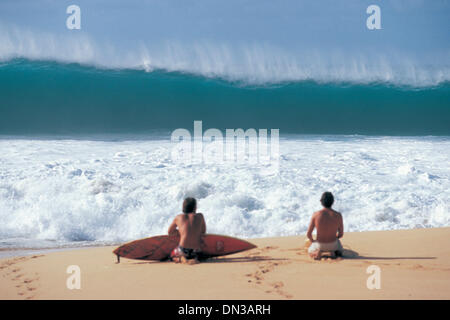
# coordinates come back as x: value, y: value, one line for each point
x: 67, y: 191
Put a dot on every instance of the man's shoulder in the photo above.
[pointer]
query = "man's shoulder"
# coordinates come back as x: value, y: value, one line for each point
x: 178, y: 216
x: 326, y: 211
x: 182, y: 215
x: 317, y: 213
x: 337, y: 213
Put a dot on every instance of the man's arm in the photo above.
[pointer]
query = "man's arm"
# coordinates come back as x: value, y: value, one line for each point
x: 341, y: 227
x: 203, y: 228
x: 312, y: 224
x: 173, y: 228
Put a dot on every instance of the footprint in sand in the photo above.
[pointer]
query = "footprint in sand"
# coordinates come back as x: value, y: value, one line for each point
x: 277, y: 285
x: 258, y: 251
x: 268, y: 248
x: 258, y: 278
x: 265, y: 268
x: 18, y: 277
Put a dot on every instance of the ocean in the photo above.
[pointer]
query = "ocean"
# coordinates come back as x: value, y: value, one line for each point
x: 86, y: 116
x: 86, y: 154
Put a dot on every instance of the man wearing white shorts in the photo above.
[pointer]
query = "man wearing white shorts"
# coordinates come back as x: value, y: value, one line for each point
x: 330, y: 228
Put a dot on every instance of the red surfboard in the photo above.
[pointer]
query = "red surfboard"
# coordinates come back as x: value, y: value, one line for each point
x: 160, y: 247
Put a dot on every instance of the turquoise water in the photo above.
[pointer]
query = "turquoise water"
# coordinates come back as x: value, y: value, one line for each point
x: 39, y: 97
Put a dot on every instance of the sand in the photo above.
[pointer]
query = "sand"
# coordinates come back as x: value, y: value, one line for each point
x: 413, y: 264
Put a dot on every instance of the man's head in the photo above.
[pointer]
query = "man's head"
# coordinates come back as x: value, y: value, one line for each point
x: 189, y: 205
x: 327, y: 199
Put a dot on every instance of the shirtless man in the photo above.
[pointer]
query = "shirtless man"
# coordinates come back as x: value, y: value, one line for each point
x: 330, y: 228
x: 191, y: 227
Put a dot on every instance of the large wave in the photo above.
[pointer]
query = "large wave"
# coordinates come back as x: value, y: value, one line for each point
x: 250, y: 63
x: 54, y: 98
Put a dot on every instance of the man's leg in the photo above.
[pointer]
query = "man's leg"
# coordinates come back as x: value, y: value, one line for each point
x: 317, y: 255
x: 177, y: 255
x: 314, y: 251
x: 339, y: 251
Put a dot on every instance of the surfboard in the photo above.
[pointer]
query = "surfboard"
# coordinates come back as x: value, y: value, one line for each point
x: 160, y: 247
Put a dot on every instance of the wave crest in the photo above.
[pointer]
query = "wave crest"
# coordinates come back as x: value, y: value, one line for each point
x: 253, y: 64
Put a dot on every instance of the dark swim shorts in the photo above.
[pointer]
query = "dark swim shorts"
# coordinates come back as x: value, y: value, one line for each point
x: 187, y: 253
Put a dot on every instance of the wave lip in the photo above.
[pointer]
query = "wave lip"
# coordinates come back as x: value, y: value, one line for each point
x: 251, y: 64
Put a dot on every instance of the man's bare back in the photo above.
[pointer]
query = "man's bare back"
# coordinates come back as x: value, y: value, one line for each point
x: 329, y: 225
x: 191, y: 227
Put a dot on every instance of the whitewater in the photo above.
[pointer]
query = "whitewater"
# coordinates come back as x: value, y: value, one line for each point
x: 69, y: 192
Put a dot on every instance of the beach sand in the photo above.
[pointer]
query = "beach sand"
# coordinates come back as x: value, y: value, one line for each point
x: 414, y: 264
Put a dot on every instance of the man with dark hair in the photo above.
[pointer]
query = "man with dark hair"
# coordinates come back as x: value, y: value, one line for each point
x: 330, y: 228
x: 327, y: 199
x: 189, y: 205
x: 190, y: 226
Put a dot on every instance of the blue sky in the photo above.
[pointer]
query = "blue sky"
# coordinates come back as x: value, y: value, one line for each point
x: 407, y: 25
